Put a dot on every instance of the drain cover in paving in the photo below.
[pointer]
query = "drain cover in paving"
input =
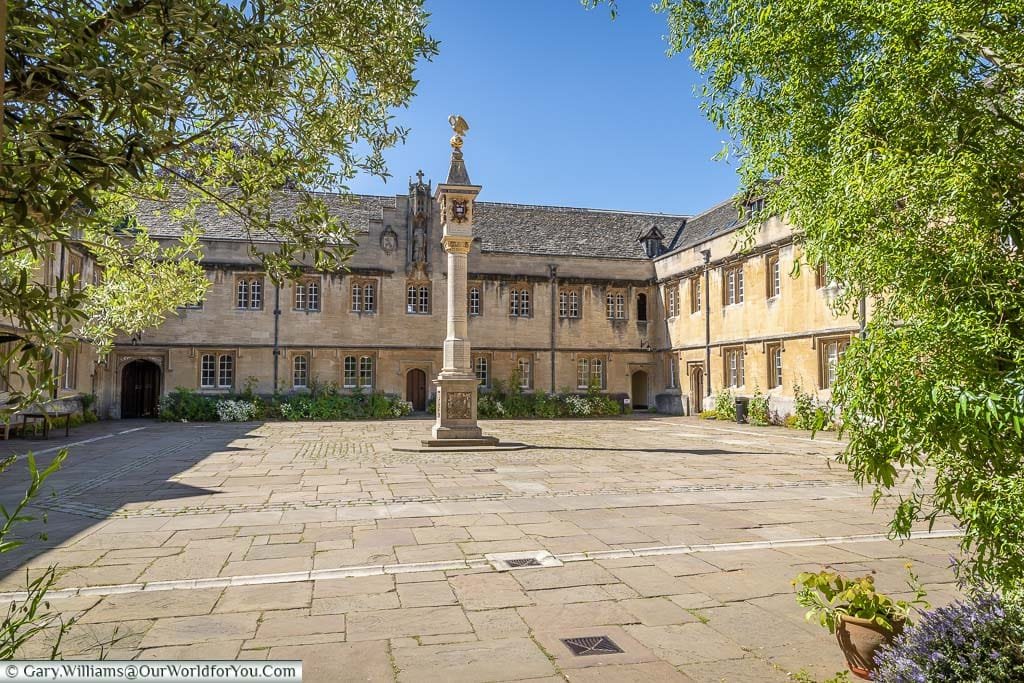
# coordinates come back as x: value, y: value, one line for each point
x: 524, y: 562
x: 592, y: 645
x: 484, y: 469
x: 504, y: 562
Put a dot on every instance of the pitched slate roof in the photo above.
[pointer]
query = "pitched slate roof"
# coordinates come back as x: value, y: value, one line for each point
x: 718, y: 220
x: 565, y: 231
x: 157, y: 216
x: 509, y: 228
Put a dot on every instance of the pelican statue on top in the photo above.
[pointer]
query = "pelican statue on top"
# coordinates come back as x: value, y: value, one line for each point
x: 460, y: 128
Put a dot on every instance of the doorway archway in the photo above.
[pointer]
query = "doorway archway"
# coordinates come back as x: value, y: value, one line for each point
x: 696, y: 389
x: 638, y: 395
x: 140, y: 389
x: 416, y: 389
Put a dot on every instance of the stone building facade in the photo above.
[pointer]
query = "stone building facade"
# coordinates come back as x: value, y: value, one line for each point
x: 78, y: 371
x: 559, y: 299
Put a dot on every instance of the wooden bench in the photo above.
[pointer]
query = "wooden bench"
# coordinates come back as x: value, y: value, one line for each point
x: 46, y: 415
x: 46, y: 412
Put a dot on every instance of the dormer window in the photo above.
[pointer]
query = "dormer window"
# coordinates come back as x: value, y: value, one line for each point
x: 651, y: 239
x: 753, y: 207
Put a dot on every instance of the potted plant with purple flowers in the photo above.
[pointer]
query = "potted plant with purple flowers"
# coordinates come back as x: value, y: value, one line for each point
x: 978, y: 639
x: 862, y: 619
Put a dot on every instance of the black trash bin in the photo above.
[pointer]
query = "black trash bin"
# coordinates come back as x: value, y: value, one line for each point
x: 742, y: 402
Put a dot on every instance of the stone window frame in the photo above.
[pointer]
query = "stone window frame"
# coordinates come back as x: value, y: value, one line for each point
x: 615, y: 304
x: 363, y: 297
x: 823, y: 278
x: 350, y: 370
x: 696, y: 300
x: 773, y: 276
x: 76, y: 266
x: 418, y: 299
x: 732, y: 285
x: 216, y: 370
x: 520, y: 301
x: 775, y: 364
x: 367, y: 369
x: 827, y: 369
x: 569, y: 303
x: 67, y: 368
x: 590, y: 368
x: 733, y: 366
x: 355, y: 368
x: 475, y: 301
x: 482, y: 369
x: 249, y: 292
x: 305, y: 371
x: 525, y: 378
x: 307, y: 295
x: 672, y: 300
x: 673, y: 372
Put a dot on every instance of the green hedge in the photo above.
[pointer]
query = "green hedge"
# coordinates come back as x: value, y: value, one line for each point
x: 324, y: 403
x: 507, y: 400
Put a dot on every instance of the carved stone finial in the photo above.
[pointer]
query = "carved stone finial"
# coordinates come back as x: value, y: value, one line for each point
x: 457, y: 173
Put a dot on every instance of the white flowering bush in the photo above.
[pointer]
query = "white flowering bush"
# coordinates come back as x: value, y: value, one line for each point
x: 578, y: 405
x: 235, y: 411
x: 401, y: 408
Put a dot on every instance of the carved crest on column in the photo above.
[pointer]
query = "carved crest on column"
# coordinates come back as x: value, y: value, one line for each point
x: 459, y: 405
x: 460, y: 210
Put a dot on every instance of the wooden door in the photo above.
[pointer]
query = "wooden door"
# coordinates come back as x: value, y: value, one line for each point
x: 696, y: 390
x: 416, y: 389
x: 140, y: 389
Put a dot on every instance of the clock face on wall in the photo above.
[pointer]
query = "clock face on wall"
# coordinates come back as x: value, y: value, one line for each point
x: 460, y: 207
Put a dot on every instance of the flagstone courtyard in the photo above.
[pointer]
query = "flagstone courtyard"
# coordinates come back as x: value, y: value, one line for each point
x: 674, y: 538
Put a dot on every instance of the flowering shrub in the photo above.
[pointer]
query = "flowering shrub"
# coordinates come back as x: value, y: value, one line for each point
x: 759, y: 412
x: 235, y: 411
x: 578, y: 405
x: 488, y: 406
x: 979, y: 639
x: 508, y: 400
x: 725, y: 406
x: 330, y: 404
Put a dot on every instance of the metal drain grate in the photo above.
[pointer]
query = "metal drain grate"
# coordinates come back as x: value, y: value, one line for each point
x: 484, y: 469
x: 592, y: 645
x: 524, y: 562
x: 504, y: 562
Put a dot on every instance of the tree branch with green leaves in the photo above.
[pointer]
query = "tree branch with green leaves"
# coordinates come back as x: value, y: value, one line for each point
x: 892, y: 133
x: 106, y: 103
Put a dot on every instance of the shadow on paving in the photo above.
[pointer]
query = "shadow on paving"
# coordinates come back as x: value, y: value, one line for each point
x: 102, y: 476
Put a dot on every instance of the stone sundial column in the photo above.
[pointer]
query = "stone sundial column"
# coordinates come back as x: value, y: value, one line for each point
x: 457, y: 384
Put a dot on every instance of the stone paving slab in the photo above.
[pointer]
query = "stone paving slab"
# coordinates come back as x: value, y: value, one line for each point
x: 637, y: 509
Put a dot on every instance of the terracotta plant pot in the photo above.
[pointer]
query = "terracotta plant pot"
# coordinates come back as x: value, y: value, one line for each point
x: 859, y: 639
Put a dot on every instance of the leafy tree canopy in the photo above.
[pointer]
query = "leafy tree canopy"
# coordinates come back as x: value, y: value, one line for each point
x: 106, y: 102
x: 893, y: 133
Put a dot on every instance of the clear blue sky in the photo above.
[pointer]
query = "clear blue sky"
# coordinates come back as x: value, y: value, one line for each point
x: 565, y: 107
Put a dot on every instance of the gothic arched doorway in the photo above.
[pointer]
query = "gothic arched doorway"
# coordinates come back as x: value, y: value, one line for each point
x: 696, y: 389
x: 416, y: 389
x: 638, y: 395
x: 140, y: 389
